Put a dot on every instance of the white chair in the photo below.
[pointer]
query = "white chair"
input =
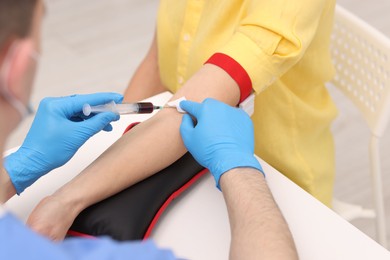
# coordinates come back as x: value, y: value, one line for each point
x: 361, y: 56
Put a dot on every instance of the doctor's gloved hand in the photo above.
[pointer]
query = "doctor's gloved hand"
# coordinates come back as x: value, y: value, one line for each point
x: 57, y: 132
x: 222, y: 139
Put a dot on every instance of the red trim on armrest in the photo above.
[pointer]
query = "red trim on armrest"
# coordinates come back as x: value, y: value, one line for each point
x: 235, y: 70
x: 79, y: 234
x: 129, y: 127
x: 173, y: 196
x: 163, y: 207
x: 159, y: 213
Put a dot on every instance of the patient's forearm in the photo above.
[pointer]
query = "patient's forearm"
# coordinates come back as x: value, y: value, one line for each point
x: 144, y: 150
x: 149, y: 147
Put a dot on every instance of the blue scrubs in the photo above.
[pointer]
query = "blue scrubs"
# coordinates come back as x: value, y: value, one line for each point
x: 19, y: 242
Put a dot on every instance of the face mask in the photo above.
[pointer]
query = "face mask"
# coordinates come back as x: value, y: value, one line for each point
x: 24, y: 110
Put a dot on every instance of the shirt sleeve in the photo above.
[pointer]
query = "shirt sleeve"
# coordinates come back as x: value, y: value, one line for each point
x: 19, y: 242
x: 106, y: 248
x: 270, y: 39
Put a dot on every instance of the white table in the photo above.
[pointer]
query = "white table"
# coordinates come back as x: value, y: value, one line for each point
x: 196, y: 225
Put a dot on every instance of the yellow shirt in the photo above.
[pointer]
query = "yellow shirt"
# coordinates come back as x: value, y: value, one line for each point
x: 284, y: 48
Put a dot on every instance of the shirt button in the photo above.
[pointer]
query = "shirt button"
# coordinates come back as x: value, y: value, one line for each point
x: 186, y: 37
x: 272, y: 80
x: 180, y: 80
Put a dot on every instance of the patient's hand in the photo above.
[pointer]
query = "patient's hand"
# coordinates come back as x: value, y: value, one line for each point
x: 52, y: 218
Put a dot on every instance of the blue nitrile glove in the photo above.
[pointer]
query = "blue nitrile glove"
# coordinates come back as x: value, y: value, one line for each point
x: 56, y: 134
x: 222, y: 139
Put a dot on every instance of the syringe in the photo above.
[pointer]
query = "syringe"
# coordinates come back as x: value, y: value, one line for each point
x: 121, y: 109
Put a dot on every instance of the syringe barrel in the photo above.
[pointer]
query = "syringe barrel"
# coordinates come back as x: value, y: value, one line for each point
x: 134, y: 108
x: 145, y: 107
x: 121, y: 109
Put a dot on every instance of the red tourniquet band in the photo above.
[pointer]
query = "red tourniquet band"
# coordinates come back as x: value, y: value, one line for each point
x: 235, y: 70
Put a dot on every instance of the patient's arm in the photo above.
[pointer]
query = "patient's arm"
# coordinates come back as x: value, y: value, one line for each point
x: 146, y: 80
x: 146, y: 149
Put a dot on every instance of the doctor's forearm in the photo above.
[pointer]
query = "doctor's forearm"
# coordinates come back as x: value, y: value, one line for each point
x: 258, y: 228
x: 7, y: 189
